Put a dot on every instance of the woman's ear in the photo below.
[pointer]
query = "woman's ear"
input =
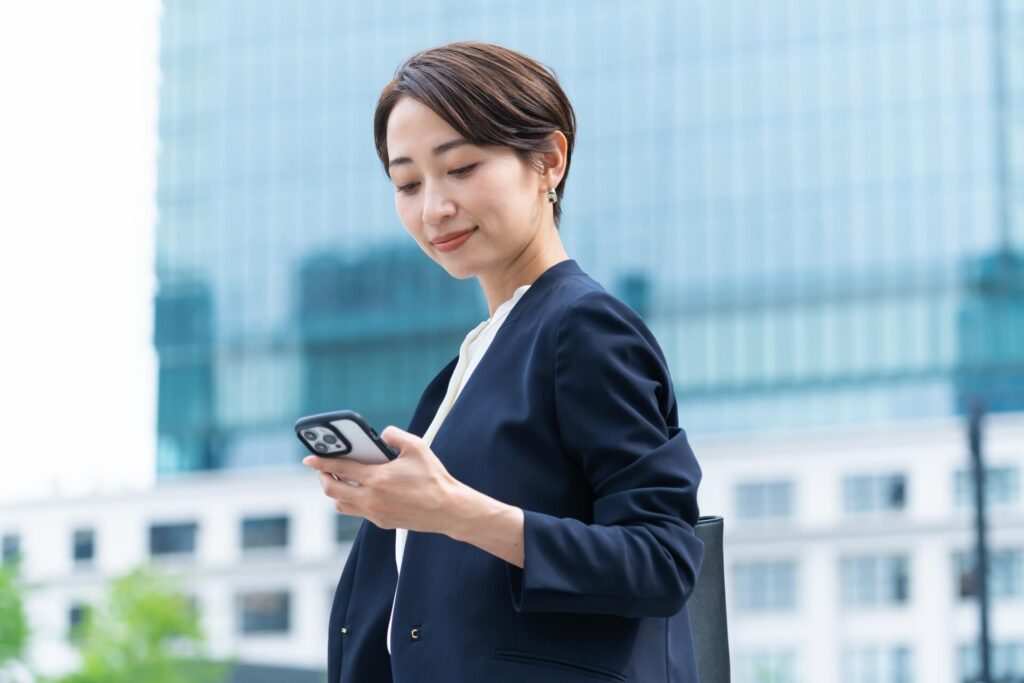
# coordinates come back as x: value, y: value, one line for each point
x: 553, y: 161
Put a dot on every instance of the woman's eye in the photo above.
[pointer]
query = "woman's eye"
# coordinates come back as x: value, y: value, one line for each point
x: 409, y: 188
x: 464, y: 170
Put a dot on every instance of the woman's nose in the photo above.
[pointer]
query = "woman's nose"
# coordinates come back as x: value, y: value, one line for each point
x: 437, y: 205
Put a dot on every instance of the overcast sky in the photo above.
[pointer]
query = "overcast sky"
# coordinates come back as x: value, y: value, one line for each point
x: 78, y: 147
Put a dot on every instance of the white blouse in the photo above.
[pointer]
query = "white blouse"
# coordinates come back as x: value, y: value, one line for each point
x: 472, y: 350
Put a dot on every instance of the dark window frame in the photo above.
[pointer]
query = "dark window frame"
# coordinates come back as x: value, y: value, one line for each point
x: 346, y: 527
x: 265, y: 533
x: 168, y: 547
x: 10, y: 549
x: 257, y: 615
x: 78, y: 543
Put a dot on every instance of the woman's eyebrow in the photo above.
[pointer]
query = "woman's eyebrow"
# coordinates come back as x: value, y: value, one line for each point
x: 438, y: 151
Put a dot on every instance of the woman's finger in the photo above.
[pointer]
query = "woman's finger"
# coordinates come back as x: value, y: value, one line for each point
x: 399, y: 439
x: 337, y: 489
x: 342, y: 467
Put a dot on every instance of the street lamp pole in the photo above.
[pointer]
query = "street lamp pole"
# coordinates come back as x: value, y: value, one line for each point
x: 980, y: 531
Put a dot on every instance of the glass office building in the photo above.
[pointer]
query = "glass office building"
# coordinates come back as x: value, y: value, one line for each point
x: 817, y: 207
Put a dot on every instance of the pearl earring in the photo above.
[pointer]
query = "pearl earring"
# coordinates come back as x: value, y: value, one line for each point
x: 552, y: 195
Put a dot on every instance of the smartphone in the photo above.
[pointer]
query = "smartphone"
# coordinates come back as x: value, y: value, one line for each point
x: 343, y: 434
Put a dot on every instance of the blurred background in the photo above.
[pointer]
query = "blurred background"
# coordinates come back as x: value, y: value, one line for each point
x: 817, y: 207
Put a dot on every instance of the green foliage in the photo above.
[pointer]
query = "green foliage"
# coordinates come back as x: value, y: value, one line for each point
x: 13, y: 625
x: 144, y: 630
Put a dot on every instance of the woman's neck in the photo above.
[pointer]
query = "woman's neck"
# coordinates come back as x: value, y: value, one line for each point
x: 524, y: 269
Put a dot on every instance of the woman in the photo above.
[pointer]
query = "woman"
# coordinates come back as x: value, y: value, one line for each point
x: 538, y: 522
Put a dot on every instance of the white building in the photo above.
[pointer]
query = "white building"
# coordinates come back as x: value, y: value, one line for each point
x: 261, y: 552
x: 841, y: 554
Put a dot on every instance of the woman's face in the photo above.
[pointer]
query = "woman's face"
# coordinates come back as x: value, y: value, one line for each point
x: 444, y: 188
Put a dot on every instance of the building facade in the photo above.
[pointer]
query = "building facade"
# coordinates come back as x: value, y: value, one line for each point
x: 846, y: 555
x: 259, y: 555
x: 817, y: 207
x: 801, y: 200
x: 849, y: 552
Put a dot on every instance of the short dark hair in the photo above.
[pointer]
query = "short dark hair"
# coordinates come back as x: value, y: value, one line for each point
x: 488, y: 93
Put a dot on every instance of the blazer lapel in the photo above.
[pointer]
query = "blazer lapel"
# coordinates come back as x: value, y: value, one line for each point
x: 561, y: 270
x: 431, y: 400
x: 435, y: 392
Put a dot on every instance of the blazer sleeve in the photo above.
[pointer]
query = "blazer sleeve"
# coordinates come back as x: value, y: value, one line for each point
x: 639, y: 557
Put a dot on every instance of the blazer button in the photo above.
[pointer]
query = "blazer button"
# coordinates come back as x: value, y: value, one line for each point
x: 415, y: 633
x: 344, y: 630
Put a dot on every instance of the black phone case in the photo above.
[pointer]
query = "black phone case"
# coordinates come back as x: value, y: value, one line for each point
x: 356, y: 438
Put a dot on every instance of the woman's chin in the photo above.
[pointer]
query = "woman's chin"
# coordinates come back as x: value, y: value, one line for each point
x: 457, y: 265
x: 458, y: 271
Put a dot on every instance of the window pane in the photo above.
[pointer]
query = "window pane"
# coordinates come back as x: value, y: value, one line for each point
x: 1006, y: 660
x: 874, y: 493
x: 877, y: 664
x: 895, y: 492
x: 765, y: 586
x: 766, y: 666
x: 266, y: 612
x: 1002, y: 486
x: 82, y: 549
x: 1005, y: 574
x: 265, y: 532
x: 11, y: 548
x: 874, y: 581
x: 764, y: 500
x: 346, y: 527
x: 76, y: 618
x: 172, y: 539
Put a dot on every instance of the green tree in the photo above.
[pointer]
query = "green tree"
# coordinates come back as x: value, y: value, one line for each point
x: 143, y: 630
x: 13, y: 625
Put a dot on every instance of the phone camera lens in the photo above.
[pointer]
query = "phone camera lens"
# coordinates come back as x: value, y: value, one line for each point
x: 330, y: 438
x: 310, y: 436
x: 320, y: 448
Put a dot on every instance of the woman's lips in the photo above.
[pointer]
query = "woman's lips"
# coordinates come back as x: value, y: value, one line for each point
x: 453, y: 244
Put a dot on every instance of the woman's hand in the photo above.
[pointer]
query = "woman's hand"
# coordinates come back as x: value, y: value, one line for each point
x: 414, y: 491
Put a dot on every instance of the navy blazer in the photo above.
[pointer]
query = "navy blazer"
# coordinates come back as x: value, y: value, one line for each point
x: 571, y: 416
